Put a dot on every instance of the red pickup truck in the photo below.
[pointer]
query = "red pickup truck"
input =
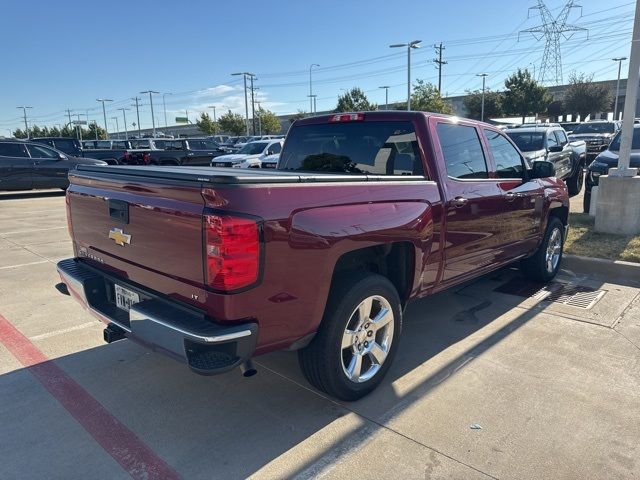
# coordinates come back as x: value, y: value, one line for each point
x: 365, y: 212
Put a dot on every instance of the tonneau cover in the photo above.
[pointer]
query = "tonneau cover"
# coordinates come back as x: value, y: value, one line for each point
x: 231, y: 175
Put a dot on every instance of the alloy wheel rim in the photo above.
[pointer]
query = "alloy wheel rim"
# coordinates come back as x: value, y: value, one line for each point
x: 554, y: 249
x: 367, y: 339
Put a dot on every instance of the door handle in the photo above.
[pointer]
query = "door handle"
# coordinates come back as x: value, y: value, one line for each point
x: 511, y: 196
x: 459, y: 202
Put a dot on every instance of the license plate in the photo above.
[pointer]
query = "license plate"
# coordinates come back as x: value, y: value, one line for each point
x: 125, y: 297
x: 269, y: 165
x: 220, y: 164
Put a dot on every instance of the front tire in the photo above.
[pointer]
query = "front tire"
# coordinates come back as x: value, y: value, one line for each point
x: 357, y: 339
x: 545, y: 263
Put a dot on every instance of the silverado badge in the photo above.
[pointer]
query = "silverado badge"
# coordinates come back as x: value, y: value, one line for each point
x: 118, y: 236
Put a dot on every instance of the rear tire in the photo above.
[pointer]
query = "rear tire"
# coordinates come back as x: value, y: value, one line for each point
x: 586, y: 201
x: 576, y: 181
x: 357, y: 339
x: 545, y: 263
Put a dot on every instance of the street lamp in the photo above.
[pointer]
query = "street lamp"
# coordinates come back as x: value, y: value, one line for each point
x: 484, y: 77
x: 164, y: 106
x: 311, y: 97
x: 410, y: 45
x: 24, y: 112
x: 153, y: 118
x: 615, y: 105
x: 117, y: 126
x: 214, y: 112
x: 124, y: 114
x: 104, y: 113
x: 386, y: 96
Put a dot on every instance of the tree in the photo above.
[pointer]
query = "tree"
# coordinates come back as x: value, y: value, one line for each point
x: 354, y: 101
x: 54, y: 132
x: 93, y: 129
x: 300, y: 114
x: 36, y: 131
x: 206, y: 125
x: 68, y: 131
x: 18, y: 133
x: 492, y: 104
x: 426, y: 98
x: 524, y: 96
x: 232, y: 122
x: 585, y: 97
x: 269, y: 121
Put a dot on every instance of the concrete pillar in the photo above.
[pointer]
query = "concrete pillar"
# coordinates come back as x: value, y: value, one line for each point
x: 618, y: 205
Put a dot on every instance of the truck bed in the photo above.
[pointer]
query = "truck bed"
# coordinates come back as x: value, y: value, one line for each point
x: 233, y: 176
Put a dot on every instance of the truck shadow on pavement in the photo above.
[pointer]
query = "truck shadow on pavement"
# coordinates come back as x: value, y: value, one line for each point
x: 21, y: 195
x: 231, y: 427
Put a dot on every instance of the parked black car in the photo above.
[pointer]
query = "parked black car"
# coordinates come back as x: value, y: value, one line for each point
x: 30, y: 165
x: 70, y: 146
x: 550, y: 143
x: 186, y: 151
x: 608, y: 159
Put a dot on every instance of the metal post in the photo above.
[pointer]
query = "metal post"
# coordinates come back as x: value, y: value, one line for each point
x: 137, y: 113
x: 484, y: 77
x: 104, y: 114
x: 246, y: 101
x: 117, y: 126
x: 124, y: 115
x: 153, y: 118
x: 386, y: 96
x: 311, y: 109
x: 439, y: 62
x: 626, y: 137
x: 253, y: 106
x: 615, y: 105
x: 24, y: 113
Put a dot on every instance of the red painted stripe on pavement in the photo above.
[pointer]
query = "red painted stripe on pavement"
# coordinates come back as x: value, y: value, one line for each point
x: 116, y: 439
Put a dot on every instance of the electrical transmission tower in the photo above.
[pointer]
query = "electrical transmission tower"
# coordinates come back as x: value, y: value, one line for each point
x: 553, y: 30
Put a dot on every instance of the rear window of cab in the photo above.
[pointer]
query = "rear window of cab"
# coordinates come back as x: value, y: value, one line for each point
x: 358, y: 148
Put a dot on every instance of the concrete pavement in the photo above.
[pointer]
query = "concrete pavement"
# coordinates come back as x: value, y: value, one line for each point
x: 552, y: 390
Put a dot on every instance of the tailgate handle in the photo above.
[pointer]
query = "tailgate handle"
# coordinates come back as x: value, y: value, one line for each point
x: 119, y: 210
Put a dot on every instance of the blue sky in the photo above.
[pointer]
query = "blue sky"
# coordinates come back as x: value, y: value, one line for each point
x: 60, y: 55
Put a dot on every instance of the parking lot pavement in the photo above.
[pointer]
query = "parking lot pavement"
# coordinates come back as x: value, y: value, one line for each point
x: 485, y: 385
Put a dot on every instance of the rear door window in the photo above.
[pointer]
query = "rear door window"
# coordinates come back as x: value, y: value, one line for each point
x: 10, y: 149
x: 376, y: 148
x: 68, y: 146
x: 462, y: 151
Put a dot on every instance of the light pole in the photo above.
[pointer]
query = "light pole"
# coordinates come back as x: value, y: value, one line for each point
x: 153, y: 118
x: 214, y: 112
x: 78, y: 126
x: 117, y: 126
x: 104, y: 113
x: 24, y: 113
x: 164, y: 106
x: 311, y: 97
x: 246, y: 101
x: 410, y: 45
x: 124, y: 115
x: 137, y: 105
x: 386, y: 96
x: 484, y: 78
x: 615, y: 105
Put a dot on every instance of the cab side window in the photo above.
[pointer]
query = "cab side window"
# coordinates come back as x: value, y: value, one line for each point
x: 552, y: 141
x: 507, y: 159
x: 562, y: 137
x: 273, y: 149
x: 462, y: 151
x: 42, y: 152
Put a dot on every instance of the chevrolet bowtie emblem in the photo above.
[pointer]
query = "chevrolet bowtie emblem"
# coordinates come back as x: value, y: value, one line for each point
x: 118, y: 236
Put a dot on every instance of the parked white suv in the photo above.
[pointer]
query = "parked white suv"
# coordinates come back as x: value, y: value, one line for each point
x: 251, y: 155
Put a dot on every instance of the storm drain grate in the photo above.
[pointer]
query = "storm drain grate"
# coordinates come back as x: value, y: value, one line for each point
x: 556, y: 292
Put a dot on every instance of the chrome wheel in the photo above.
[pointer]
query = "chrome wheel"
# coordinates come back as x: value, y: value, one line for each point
x: 367, y: 339
x: 554, y: 249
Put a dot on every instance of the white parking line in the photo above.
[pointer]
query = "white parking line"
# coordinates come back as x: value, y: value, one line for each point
x: 42, y: 336
x: 24, y: 264
x: 31, y: 230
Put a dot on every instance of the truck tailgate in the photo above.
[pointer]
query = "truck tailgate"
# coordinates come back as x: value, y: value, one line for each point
x: 147, y: 232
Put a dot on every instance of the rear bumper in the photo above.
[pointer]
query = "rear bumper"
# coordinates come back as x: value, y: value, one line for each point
x: 162, y: 324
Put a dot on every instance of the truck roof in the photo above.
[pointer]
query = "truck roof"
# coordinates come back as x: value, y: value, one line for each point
x: 383, y: 115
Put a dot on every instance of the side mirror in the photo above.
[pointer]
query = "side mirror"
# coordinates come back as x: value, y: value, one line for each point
x: 542, y: 169
x: 61, y: 157
x: 555, y: 148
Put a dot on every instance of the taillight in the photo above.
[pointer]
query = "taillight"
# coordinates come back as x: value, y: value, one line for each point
x: 232, y: 251
x: 347, y: 117
x: 146, y: 158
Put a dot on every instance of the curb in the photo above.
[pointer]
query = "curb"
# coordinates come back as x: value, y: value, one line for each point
x: 615, y: 269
